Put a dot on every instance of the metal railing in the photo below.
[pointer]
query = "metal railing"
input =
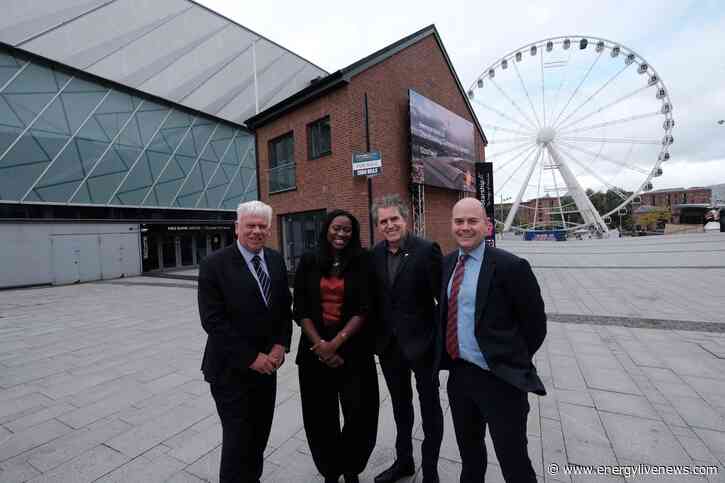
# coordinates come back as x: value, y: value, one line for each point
x: 282, y: 178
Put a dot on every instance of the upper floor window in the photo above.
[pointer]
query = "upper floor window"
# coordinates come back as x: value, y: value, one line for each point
x: 282, y: 163
x: 319, y: 138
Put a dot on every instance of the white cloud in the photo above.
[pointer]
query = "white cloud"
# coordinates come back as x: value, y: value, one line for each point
x: 681, y: 39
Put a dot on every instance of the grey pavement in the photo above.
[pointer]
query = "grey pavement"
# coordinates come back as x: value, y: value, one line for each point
x: 101, y: 381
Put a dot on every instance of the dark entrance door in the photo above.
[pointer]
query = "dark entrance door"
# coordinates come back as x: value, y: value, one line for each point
x: 300, y: 232
x: 168, y: 251
x: 187, y: 249
x: 200, y: 246
x: 150, y: 252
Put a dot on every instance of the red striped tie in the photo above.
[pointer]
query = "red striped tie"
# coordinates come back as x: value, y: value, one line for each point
x: 452, y: 325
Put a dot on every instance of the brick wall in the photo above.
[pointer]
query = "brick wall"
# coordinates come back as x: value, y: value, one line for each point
x: 327, y: 182
x: 675, y: 197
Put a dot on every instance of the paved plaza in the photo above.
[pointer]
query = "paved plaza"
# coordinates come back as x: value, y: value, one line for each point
x: 101, y: 381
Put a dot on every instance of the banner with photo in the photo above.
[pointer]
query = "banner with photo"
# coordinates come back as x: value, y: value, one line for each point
x: 442, y: 146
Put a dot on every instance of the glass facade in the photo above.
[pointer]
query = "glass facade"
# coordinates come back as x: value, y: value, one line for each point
x: 70, y: 140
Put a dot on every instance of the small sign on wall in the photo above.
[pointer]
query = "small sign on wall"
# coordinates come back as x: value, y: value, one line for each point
x: 367, y: 164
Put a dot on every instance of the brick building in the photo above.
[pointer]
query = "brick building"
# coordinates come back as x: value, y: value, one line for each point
x: 305, y: 143
x: 545, y: 207
x: 676, y: 196
x: 674, y: 199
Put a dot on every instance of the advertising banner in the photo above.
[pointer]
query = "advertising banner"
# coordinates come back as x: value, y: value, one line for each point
x: 442, y: 146
x: 484, y: 192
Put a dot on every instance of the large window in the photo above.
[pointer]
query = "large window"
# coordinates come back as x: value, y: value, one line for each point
x: 300, y: 232
x: 282, y: 163
x: 319, y: 138
x: 66, y: 138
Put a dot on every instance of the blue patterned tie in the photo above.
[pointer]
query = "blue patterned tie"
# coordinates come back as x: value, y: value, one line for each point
x: 262, y: 276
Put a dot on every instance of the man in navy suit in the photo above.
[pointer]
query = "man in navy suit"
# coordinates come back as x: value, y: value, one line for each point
x: 245, y: 309
x: 407, y: 273
x: 492, y: 321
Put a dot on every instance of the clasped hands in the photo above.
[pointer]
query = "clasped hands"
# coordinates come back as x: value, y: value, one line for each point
x: 326, y: 352
x: 269, y: 363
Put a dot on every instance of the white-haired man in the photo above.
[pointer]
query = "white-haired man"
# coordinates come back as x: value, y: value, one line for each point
x: 245, y: 309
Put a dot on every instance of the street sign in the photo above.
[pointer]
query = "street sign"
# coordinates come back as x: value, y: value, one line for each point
x: 367, y: 164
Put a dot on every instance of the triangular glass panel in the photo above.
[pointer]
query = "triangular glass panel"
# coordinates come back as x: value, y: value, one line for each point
x: 26, y: 107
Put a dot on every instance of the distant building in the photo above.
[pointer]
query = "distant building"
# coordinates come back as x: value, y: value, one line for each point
x: 687, y: 205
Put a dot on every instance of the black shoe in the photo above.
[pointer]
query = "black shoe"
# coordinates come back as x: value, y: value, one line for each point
x: 332, y: 479
x: 396, y: 472
x: 351, y: 478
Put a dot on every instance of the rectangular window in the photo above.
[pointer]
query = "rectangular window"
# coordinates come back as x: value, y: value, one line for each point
x: 282, y: 163
x: 300, y: 232
x: 319, y: 138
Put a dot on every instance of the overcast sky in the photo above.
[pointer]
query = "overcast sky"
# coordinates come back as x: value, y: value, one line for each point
x: 682, y: 40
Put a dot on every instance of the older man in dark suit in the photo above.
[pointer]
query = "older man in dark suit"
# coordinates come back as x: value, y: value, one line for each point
x: 407, y: 278
x: 245, y: 308
x: 492, y: 322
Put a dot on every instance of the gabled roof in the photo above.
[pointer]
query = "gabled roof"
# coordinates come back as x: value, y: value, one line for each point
x: 176, y: 50
x: 321, y: 86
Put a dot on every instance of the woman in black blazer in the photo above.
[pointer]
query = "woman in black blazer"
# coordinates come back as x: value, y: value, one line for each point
x: 335, y: 355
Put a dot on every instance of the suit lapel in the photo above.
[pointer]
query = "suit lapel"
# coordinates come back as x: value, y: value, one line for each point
x: 450, y: 264
x: 484, y: 280
x: 381, y: 262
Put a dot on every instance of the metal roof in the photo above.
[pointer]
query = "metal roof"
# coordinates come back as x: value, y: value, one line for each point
x: 177, y: 50
x: 344, y: 76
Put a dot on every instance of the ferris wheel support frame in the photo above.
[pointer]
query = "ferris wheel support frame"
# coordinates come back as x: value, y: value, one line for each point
x: 587, y: 210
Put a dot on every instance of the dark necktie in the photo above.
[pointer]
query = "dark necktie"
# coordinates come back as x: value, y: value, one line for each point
x: 452, y: 324
x: 262, y: 276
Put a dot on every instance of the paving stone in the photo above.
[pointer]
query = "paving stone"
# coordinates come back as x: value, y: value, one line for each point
x: 643, y: 440
x: 154, y: 407
x: 610, y: 380
x: 206, y: 467
x: 615, y: 402
x: 142, y: 438
x: 87, y: 467
x: 34, y: 418
x: 24, y: 440
x: 144, y: 470
x: 584, y: 437
x: 201, y: 444
x: 17, y: 470
x: 185, y: 477
x: 72, y: 444
x: 103, y: 408
x: 697, y: 413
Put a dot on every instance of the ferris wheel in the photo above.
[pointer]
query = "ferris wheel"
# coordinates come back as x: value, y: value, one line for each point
x: 570, y: 120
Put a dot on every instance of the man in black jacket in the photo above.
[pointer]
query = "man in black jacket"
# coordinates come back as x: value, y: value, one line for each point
x: 492, y: 321
x: 245, y: 308
x: 406, y: 283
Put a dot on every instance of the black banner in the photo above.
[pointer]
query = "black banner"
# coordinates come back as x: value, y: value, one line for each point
x: 484, y: 192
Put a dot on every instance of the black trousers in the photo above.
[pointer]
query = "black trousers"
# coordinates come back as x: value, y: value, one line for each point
x: 479, y: 399
x: 323, y: 390
x: 245, y: 403
x: 397, y: 371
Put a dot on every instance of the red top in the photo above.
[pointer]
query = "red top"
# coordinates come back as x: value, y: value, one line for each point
x: 332, y: 291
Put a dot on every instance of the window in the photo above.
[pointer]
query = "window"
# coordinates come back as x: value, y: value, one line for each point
x: 282, y: 163
x: 319, y: 138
